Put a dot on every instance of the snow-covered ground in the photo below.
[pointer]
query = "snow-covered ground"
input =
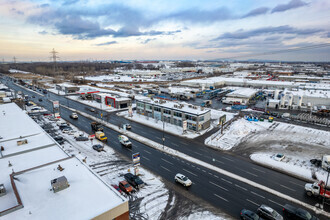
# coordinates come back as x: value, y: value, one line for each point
x: 58, y: 92
x: 150, y: 202
x: 121, y: 78
x: 264, y: 139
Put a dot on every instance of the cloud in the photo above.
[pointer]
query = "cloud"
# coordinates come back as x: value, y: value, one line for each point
x: 106, y: 43
x: 285, y: 29
x: 17, y: 11
x: 43, y: 32
x: 148, y: 40
x: 257, y: 11
x: 291, y: 5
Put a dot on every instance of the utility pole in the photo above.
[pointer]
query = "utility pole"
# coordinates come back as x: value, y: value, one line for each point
x: 54, y: 57
x: 14, y: 60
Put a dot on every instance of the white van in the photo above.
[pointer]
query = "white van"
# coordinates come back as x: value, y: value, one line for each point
x: 326, y: 162
x: 124, y: 141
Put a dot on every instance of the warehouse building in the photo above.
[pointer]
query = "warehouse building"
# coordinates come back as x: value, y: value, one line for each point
x: 115, y: 101
x: 197, y: 118
x: 39, y: 180
x: 241, y: 96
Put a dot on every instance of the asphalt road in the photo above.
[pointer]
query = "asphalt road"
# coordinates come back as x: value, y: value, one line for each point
x: 223, y: 192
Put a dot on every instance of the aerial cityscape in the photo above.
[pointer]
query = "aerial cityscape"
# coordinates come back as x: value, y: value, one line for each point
x: 165, y: 109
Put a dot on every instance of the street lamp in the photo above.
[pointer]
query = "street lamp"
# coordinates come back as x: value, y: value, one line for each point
x: 325, y: 187
x: 163, y: 133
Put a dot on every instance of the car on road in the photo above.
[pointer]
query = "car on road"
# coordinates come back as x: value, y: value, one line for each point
x: 180, y: 178
x: 291, y: 212
x: 134, y: 180
x: 81, y: 138
x: 33, y: 96
x: 74, y: 115
x: 40, y: 100
x: 127, y: 126
x: 124, y: 141
x: 92, y: 109
x: 125, y: 186
x: 267, y: 212
x: 249, y: 215
x: 98, y: 147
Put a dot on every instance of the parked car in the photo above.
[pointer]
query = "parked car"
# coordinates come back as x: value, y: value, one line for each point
x: 64, y: 126
x: 67, y: 130
x: 98, y: 147
x: 81, y: 138
x: 249, y: 215
x: 316, y: 162
x: 278, y: 157
x: 61, y: 122
x: 117, y: 188
x: 180, y: 178
x: 267, y: 212
x: 125, y: 186
x: 59, y: 139
x: 134, y: 180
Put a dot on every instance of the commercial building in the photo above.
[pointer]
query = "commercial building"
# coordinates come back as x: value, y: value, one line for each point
x: 242, y: 96
x: 115, y: 101
x: 38, y: 180
x: 66, y: 88
x: 197, y: 118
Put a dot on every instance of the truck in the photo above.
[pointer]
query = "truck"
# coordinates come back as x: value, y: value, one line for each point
x: 124, y: 141
x: 96, y: 126
x: 100, y: 136
x: 317, y: 189
x: 291, y: 212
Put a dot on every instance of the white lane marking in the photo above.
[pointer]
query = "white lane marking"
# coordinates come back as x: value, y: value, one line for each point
x: 175, y: 144
x: 198, y: 168
x: 204, y: 171
x: 259, y: 170
x: 252, y: 202
x: 165, y: 168
x: 146, y: 158
x: 216, y: 176
x: 198, y: 153
x: 252, y: 174
x: 192, y: 165
x: 275, y: 202
x: 166, y: 161
x: 287, y: 187
x: 147, y: 151
x: 143, y: 132
x: 190, y: 172
x: 241, y: 187
x: 226, y: 180
x: 296, y: 184
x: 158, y: 138
x: 219, y: 186
x: 219, y: 161
x: 183, y: 143
x: 221, y: 197
x: 210, y: 173
x: 257, y: 194
x: 228, y: 159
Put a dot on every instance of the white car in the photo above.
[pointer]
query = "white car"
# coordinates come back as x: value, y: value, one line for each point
x: 74, y: 115
x: 278, y: 157
x: 124, y: 141
x: 180, y: 178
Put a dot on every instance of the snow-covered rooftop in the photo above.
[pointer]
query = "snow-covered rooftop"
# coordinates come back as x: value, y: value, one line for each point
x: 243, y: 92
x: 170, y: 105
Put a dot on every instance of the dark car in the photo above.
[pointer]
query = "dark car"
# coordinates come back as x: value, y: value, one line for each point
x: 267, y: 212
x: 117, y: 188
x: 134, y: 180
x: 249, y: 215
x: 295, y: 213
x: 40, y: 100
x: 33, y: 96
x: 59, y: 139
x: 82, y: 139
x: 98, y: 147
x: 64, y: 127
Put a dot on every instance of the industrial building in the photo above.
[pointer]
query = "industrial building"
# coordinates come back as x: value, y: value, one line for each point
x: 66, y: 88
x: 39, y: 180
x: 241, y: 96
x: 197, y: 118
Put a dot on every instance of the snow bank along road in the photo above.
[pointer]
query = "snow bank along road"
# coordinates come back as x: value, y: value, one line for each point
x: 195, y: 161
x: 224, y: 186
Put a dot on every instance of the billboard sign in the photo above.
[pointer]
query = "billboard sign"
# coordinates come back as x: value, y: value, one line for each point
x: 136, y: 159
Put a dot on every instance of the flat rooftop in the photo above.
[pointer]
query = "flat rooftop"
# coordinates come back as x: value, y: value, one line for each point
x: 85, y: 198
x: 243, y: 93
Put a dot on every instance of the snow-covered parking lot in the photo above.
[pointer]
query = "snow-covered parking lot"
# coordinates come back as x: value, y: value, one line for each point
x: 262, y: 140
x: 154, y: 201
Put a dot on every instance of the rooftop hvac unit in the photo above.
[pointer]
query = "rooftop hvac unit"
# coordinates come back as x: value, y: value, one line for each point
x: 2, y: 190
x: 156, y: 101
x: 181, y: 105
x: 175, y: 106
x: 190, y: 106
x: 194, y: 107
x: 59, y: 184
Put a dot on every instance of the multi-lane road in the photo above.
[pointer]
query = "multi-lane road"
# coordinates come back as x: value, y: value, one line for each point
x: 228, y: 194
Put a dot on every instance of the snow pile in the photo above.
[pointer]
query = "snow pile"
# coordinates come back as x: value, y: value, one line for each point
x: 235, y: 133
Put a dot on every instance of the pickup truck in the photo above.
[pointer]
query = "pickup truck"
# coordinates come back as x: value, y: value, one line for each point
x: 96, y: 126
x: 291, y: 212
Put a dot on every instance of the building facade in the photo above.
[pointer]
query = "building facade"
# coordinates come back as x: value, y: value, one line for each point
x: 197, y: 118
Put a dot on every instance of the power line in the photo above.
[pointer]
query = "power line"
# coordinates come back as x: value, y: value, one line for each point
x: 54, y: 57
x: 282, y: 51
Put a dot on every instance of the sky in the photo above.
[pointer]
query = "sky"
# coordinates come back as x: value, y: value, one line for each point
x: 164, y: 29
